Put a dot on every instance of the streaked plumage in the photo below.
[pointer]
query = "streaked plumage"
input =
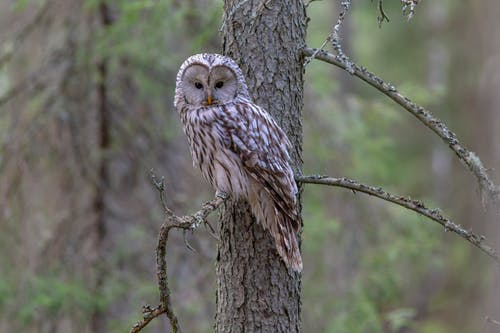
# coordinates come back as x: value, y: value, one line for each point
x: 238, y: 146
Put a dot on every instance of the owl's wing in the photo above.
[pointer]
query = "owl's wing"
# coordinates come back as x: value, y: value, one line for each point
x: 263, y: 148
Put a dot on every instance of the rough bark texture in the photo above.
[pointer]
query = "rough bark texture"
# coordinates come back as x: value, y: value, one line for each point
x: 255, y: 291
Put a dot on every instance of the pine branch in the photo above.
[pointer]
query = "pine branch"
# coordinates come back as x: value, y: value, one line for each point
x: 488, y: 189
x: 408, y: 203
x: 172, y: 221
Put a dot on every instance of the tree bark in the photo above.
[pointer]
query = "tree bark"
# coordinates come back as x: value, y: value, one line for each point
x: 98, y: 320
x: 255, y: 290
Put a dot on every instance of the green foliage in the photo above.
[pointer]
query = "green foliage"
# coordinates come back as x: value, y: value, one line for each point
x: 21, y: 4
x: 5, y: 292
x: 4, y: 82
x: 433, y: 326
x: 321, y: 228
x: 400, y: 254
x: 400, y: 319
x: 357, y: 316
x: 52, y: 296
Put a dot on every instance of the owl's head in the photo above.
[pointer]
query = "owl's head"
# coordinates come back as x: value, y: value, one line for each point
x: 209, y: 79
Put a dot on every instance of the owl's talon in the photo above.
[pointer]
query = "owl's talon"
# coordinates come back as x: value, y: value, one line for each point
x: 199, y: 220
x: 212, y: 203
x: 209, y: 204
x: 221, y: 194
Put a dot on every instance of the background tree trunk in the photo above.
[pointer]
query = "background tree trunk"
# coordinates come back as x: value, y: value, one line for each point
x: 255, y: 291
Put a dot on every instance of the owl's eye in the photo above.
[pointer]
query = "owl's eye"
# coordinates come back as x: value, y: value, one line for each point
x: 219, y: 84
x: 198, y: 85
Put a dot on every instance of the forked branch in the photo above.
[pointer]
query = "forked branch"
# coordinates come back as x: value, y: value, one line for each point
x: 381, y: 13
x: 488, y: 188
x: 172, y: 221
x: 408, y: 203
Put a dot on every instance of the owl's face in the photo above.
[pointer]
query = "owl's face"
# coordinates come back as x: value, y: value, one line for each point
x: 209, y: 79
x: 204, y: 85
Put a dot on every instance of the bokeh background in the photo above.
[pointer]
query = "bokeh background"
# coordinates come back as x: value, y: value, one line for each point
x: 86, y: 112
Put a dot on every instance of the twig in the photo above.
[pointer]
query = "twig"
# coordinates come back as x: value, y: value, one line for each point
x: 409, y: 8
x: 148, y: 315
x: 172, y: 221
x: 160, y: 187
x: 337, y: 45
x: 307, y: 60
x: 334, y: 37
x: 408, y: 203
x: 471, y: 160
x: 381, y: 14
x: 492, y: 321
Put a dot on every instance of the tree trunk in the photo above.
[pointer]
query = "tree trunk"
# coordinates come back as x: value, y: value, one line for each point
x: 255, y: 291
x: 98, y: 320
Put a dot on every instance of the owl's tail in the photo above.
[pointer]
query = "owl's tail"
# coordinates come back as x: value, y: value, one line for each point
x: 282, y: 226
x: 285, y: 238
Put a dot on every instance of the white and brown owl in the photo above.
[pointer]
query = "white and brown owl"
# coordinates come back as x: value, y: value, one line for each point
x: 238, y: 146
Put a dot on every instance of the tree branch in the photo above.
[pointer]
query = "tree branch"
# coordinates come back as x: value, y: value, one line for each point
x: 334, y: 37
x: 406, y: 202
x: 409, y: 7
x: 492, y: 321
x: 172, y: 221
x: 470, y: 159
x: 25, y: 31
x: 381, y: 13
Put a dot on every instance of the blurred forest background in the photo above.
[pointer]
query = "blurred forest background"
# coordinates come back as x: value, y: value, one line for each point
x: 86, y: 112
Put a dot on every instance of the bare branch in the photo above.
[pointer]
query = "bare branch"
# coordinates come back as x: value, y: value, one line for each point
x: 307, y: 60
x: 337, y: 45
x: 381, y: 13
x: 492, y: 321
x: 334, y: 37
x: 188, y: 222
x: 470, y: 159
x: 149, y: 314
x: 409, y: 8
x: 408, y: 203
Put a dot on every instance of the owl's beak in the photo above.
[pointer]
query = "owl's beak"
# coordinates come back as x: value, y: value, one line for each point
x: 209, y: 100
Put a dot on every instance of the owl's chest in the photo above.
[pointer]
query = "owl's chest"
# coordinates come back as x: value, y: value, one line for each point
x: 202, y: 127
x: 205, y: 135
x: 209, y: 142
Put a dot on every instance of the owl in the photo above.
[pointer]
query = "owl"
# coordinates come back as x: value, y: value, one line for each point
x: 239, y: 147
